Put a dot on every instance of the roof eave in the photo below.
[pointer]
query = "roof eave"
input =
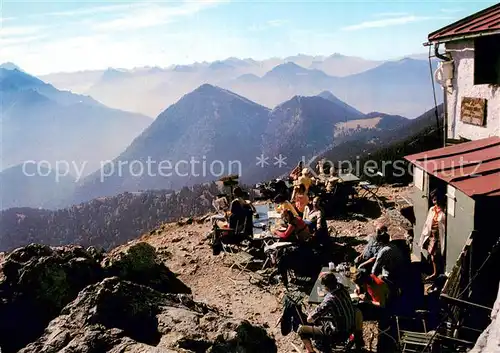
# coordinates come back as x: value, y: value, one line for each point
x: 461, y: 37
x: 464, y: 21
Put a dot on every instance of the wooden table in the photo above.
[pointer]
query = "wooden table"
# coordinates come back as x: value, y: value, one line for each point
x: 315, y: 298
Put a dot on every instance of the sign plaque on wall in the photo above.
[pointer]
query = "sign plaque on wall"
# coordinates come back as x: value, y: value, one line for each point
x: 473, y: 111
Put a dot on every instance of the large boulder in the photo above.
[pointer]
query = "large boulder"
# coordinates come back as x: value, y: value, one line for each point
x: 120, y: 316
x: 140, y: 264
x: 242, y: 337
x: 37, y: 282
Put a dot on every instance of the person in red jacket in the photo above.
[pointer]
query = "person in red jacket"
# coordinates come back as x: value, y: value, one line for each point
x: 374, y: 304
x: 296, y: 231
x: 376, y: 288
x: 297, y: 254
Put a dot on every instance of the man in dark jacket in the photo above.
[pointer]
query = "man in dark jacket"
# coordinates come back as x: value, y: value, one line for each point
x: 375, y: 244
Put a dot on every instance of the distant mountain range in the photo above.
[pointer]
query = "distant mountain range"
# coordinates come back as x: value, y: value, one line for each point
x: 10, y: 66
x: 196, y: 140
x: 224, y: 133
x: 210, y: 126
x: 401, y: 87
x: 370, y: 142
x: 209, y: 132
x: 42, y: 123
x: 110, y: 221
x: 366, y: 84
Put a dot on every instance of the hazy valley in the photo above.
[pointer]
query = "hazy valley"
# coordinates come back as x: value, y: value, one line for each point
x: 294, y: 107
x: 394, y: 87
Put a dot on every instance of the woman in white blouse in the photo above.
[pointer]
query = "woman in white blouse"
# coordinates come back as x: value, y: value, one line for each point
x: 433, y: 234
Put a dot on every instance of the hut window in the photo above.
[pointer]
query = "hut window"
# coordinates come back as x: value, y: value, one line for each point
x: 487, y: 60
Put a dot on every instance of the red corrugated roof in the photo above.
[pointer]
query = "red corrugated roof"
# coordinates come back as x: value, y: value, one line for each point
x: 485, y: 21
x: 472, y: 167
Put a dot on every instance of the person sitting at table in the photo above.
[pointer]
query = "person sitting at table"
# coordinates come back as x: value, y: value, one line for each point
x: 388, y: 262
x: 240, y: 212
x: 372, y: 248
x: 394, y: 269
x: 239, y: 223
x: 375, y: 287
x: 327, y: 167
x: 282, y: 188
x: 297, y: 256
x: 314, y: 217
x: 334, y: 318
x: 374, y: 297
x: 300, y: 198
x: 283, y: 204
x: 296, y: 231
x: 248, y: 202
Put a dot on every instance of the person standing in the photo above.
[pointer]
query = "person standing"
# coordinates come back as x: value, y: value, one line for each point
x: 433, y: 235
x: 304, y: 179
x: 294, y: 175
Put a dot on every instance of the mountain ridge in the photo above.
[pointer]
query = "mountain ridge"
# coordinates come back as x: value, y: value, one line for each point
x: 213, y: 124
x: 205, y: 126
x: 152, y: 92
x: 42, y: 123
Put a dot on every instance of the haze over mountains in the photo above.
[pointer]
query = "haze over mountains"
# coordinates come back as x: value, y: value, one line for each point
x: 32, y: 186
x: 224, y: 133
x: 209, y: 131
x: 42, y: 123
x: 208, y: 124
x: 368, y: 85
x: 114, y: 220
x: 213, y: 126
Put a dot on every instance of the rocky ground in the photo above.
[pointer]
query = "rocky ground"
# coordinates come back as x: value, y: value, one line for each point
x: 186, y: 250
x: 84, y: 301
x: 133, y: 302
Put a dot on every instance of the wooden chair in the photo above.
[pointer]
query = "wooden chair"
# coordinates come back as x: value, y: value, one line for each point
x: 412, y: 338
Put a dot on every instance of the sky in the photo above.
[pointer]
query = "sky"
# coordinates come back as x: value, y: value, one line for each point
x: 63, y: 36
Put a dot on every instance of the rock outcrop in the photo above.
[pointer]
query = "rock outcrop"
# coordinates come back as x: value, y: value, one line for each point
x: 489, y: 340
x: 38, y: 282
x: 139, y: 264
x: 83, y: 301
